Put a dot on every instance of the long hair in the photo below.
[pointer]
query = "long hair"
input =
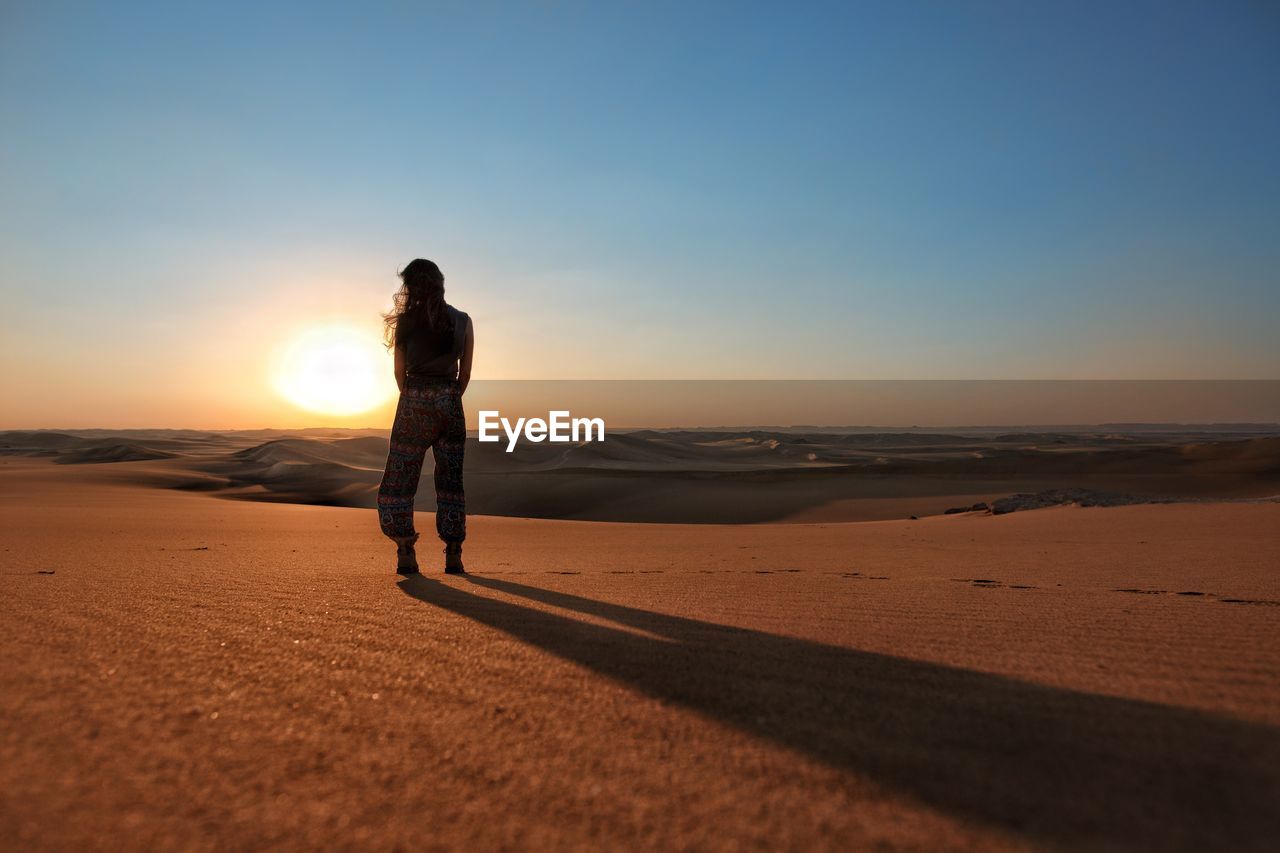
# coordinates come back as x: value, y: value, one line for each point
x: 419, y: 303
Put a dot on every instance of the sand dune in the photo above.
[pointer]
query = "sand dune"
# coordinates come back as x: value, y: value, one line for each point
x: 185, y: 672
x: 700, y: 476
x: 111, y: 452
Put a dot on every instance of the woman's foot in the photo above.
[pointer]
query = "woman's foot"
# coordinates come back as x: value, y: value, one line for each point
x: 453, y: 559
x: 406, y: 559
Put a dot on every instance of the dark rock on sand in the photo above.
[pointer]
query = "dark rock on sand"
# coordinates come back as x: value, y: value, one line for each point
x: 981, y: 506
x: 1083, y: 497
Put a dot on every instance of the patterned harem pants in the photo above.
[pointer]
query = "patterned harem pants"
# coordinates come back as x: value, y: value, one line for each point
x: 429, y: 414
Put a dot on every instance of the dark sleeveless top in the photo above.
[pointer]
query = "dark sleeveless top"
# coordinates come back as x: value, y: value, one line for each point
x: 434, y: 355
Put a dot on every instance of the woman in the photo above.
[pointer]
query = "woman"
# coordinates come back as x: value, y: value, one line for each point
x: 433, y: 342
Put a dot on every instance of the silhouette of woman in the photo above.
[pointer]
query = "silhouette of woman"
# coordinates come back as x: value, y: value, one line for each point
x: 433, y: 342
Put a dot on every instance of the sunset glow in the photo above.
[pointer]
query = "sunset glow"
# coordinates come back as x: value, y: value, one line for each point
x: 333, y: 370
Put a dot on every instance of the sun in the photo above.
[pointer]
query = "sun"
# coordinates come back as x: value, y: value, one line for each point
x: 334, y: 370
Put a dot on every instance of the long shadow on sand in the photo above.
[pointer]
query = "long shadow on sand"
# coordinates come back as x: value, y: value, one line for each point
x: 1056, y: 766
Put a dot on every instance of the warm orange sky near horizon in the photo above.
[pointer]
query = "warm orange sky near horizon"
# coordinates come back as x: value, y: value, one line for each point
x: 212, y: 402
x: 205, y: 361
x: 215, y: 366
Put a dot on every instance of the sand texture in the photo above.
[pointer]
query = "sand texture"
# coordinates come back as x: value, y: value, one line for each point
x: 180, y: 671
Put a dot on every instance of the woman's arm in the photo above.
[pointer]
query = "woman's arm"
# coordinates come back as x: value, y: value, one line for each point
x: 464, y: 363
x: 399, y: 368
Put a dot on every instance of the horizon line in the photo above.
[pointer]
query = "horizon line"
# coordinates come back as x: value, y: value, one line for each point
x: 1273, y: 425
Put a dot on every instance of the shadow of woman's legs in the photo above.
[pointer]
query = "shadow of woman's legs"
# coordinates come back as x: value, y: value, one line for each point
x: 1056, y: 765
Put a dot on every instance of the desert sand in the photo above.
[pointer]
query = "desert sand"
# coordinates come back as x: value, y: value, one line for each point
x: 181, y: 671
x: 697, y: 476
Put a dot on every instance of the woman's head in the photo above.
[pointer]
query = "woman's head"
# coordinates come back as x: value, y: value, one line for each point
x: 419, y: 302
x: 422, y: 275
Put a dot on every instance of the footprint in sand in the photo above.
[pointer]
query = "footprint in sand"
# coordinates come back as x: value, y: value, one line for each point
x: 990, y: 583
x: 1194, y: 593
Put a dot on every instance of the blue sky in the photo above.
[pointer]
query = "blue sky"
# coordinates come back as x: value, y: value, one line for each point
x: 854, y: 190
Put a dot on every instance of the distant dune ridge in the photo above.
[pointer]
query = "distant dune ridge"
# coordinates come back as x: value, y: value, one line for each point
x: 705, y: 475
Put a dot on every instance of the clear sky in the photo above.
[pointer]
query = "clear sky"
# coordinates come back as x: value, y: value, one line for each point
x: 633, y: 190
